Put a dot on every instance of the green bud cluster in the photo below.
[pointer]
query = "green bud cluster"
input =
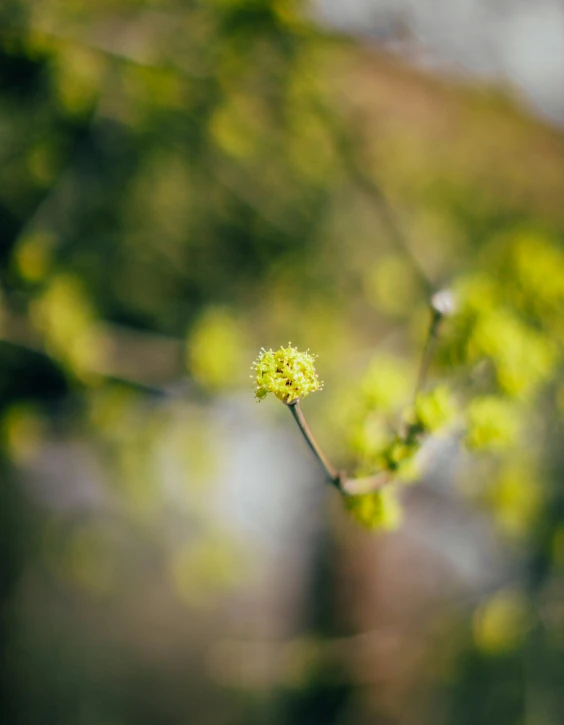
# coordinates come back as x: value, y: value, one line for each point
x: 510, y: 318
x: 378, y: 510
x: 492, y: 423
x: 434, y: 409
x: 382, y: 446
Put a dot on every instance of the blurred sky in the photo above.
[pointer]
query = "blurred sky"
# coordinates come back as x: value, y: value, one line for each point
x: 514, y: 41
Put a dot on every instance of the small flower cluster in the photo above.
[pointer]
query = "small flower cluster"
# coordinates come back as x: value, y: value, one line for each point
x: 378, y: 510
x: 286, y: 372
x: 384, y: 446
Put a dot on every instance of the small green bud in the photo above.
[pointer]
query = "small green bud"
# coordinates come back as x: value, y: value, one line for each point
x: 435, y: 409
x: 287, y: 372
x: 399, y: 451
x: 492, y: 423
x: 378, y: 510
x: 444, y: 303
x: 400, y: 457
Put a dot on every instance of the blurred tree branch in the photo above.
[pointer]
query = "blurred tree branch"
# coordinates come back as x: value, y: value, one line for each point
x: 144, y: 360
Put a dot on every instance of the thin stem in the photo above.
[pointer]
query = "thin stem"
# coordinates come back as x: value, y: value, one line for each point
x: 366, y: 484
x: 348, y: 152
x: 334, y: 476
x: 436, y: 317
x: 388, y: 217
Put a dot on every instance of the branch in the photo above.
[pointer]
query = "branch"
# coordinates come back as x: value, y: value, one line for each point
x: 335, y: 478
x: 441, y: 304
x: 348, y: 487
x: 346, y: 148
x: 142, y: 360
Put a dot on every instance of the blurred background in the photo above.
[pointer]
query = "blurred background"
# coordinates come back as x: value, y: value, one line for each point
x: 181, y: 183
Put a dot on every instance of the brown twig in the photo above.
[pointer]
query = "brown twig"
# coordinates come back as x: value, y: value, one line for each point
x: 335, y: 478
x: 348, y: 487
x: 436, y: 318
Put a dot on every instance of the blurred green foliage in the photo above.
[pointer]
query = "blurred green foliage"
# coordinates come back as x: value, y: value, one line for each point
x: 378, y: 510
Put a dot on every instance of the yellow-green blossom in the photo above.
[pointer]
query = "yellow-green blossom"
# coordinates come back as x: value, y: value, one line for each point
x: 378, y: 510
x: 434, y: 409
x: 492, y: 423
x: 287, y: 372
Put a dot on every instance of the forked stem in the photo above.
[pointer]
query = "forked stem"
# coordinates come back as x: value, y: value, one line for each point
x: 348, y: 487
x: 441, y: 304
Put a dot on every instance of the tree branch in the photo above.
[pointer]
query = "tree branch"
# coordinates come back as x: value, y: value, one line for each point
x: 335, y: 478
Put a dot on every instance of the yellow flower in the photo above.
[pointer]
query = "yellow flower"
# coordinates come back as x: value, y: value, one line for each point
x: 287, y: 372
